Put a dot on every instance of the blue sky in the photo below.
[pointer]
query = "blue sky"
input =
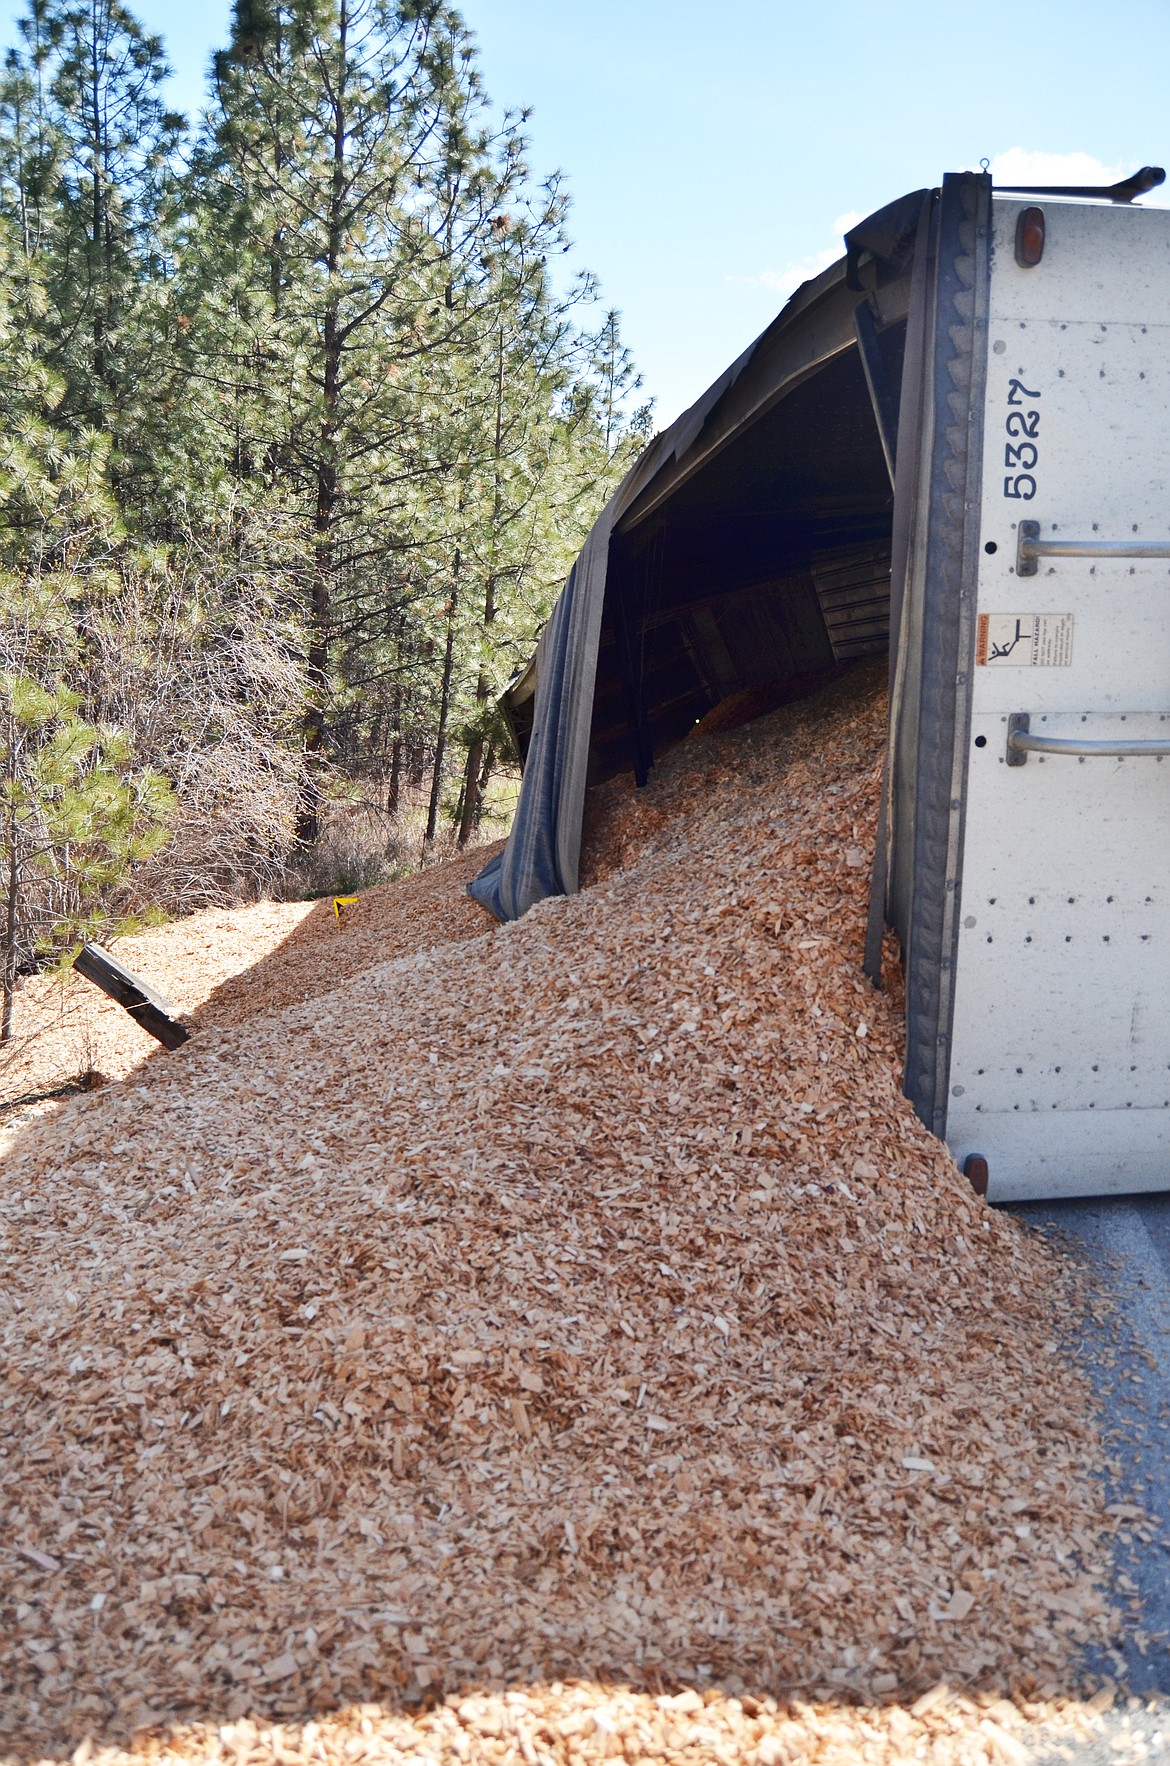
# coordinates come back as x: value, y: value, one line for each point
x: 714, y: 153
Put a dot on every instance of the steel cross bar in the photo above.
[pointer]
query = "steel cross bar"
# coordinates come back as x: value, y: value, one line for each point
x: 1021, y: 743
x: 1030, y: 548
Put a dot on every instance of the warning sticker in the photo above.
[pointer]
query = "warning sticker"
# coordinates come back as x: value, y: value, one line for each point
x: 1024, y: 640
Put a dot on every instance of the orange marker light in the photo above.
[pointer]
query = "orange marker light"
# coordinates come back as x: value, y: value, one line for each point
x: 1030, y: 238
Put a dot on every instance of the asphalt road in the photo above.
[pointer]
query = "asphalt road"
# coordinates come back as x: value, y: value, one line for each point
x: 1126, y: 1241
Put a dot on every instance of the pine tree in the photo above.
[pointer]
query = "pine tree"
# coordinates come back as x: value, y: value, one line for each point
x: 76, y: 811
x: 351, y: 141
x: 561, y: 435
x: 314, y: 404
x: 75, y: 815
x: 89, y: 174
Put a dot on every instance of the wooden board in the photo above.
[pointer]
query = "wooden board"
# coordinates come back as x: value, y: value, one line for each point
x: 144, y: 1005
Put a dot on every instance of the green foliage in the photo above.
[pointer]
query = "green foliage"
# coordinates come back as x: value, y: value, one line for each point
x: 88, y: 176
x: 299, y: 434
x: 399, y: 362
x: 73, y: 811
x: 76, y: 810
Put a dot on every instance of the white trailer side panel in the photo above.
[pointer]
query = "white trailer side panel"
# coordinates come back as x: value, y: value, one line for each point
x: 1060, y: 1063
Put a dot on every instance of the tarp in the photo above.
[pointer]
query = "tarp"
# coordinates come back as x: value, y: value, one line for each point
x: 543, y: 849
x: 544, y: 846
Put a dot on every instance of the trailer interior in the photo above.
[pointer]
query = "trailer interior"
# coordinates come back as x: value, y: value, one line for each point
x: 757, y: 565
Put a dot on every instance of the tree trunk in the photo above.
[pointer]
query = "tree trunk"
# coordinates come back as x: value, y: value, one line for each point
x: 10, y: 918
x: 444, y: 706
x: 97, y: 221
x: 473, y: 786
x: 13, y: 885
x: 489, y: 761
x: 308, y: 825
x: 394, y: 795
x: 469, y: 796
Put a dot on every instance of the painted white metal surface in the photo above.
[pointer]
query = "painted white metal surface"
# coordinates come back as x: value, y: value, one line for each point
x: 1060, y: 1070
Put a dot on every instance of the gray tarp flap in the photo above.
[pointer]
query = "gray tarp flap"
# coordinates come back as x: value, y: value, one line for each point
x: 544, y: 846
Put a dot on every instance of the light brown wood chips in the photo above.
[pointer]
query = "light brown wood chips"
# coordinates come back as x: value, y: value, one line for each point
x: 214, y: 969
x: 577, y: 1309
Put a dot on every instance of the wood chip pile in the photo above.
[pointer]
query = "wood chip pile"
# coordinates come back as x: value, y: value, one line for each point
x: 562, y: 1345
x: 224, y: 966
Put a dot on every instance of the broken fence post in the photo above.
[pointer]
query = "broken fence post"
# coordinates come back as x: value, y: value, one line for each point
x: 144, y: 1005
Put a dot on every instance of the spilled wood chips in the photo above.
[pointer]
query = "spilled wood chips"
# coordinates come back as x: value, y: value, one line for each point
x: 224, y: 966
x: 564, y: 1343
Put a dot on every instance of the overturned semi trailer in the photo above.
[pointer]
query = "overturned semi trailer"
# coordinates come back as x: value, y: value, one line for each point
x: 953, y: 447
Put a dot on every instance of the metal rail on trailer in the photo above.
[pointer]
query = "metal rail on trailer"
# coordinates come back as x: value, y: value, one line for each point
x: 1028, y: 812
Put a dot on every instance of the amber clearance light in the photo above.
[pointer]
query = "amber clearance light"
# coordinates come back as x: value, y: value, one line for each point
x: 1030, y: 238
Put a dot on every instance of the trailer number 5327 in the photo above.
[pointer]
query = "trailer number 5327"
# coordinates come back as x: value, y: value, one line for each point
x: 1021, y: 453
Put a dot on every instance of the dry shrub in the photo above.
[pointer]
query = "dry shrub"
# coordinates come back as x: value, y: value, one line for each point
x: 203, y: 672
x: 359, y: 845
